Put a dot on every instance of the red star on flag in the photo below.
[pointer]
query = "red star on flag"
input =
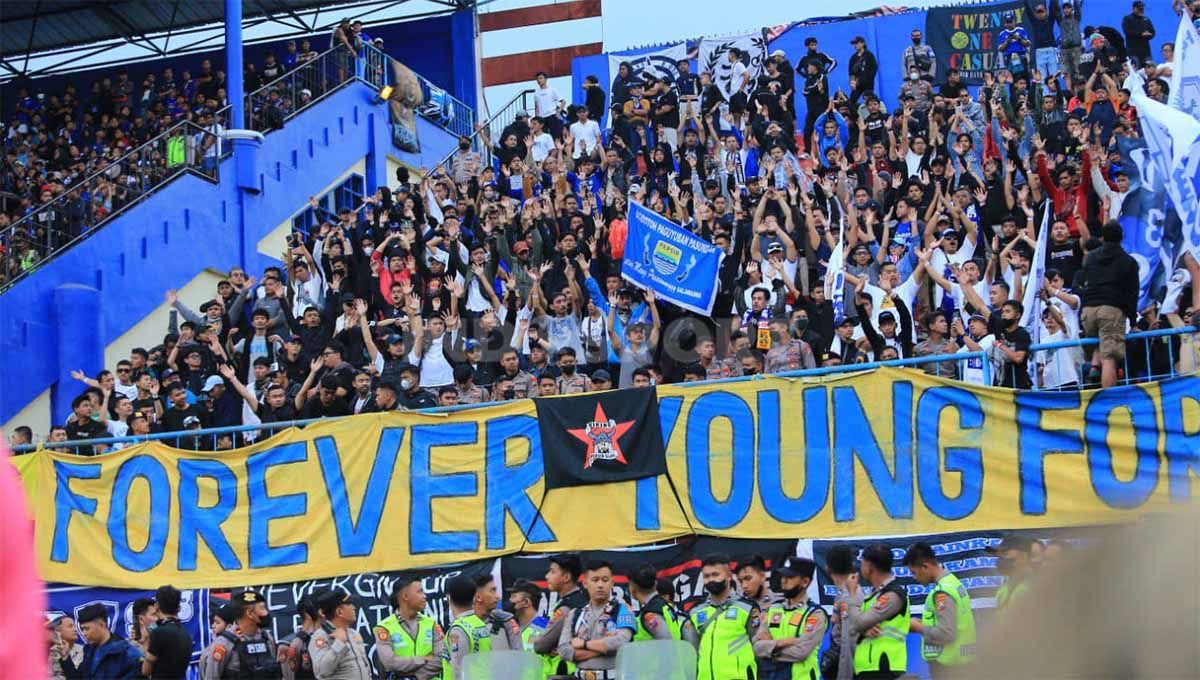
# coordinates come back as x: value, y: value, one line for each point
x: 602, y: 436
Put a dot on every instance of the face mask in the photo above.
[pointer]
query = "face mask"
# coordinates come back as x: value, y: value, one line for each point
x: 367, y: 250
x: 716, y: 587
x: 916, y: 41
x: 792, y: 593
x: 801, y: 324
x: 912, y: 76
x: 464, y: 145
x: 569, y: 370
x: 406, y: 384
x: 510, y: 393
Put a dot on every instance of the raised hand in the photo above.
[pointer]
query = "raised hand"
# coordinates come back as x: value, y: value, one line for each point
x: 226, y: 370
x: 172, y: 296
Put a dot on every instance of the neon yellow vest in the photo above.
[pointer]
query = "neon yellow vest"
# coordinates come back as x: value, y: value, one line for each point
x: 532, y: 632
x: 658, y: 606
x: 725, y: 649
x: 1007, y: 593
x: 891, y: 641
x: 477, y: 631
x: 404, y: 646
x: 962, y: 650
x: 789, y: 623
x: 175, y: 151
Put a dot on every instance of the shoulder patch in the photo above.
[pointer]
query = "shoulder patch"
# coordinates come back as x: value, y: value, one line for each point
x: 650, y: 620
x: 883, y: 601
x: 382, y: 635
x: 794, y: 621
x: 941, y: 599
x: 218, y: 652
x: 811, y: 624
x: 319, y: 643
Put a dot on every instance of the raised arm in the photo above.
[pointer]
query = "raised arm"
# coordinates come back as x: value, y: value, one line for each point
x: 247, y: 394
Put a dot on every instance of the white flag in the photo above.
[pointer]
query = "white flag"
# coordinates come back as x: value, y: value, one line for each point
x: 713, y: 58
x: 835, y: 278
x: 1185, y: 70
x: 1031, y: 318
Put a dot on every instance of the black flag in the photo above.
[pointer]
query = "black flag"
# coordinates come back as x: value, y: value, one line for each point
x: 601, y: 437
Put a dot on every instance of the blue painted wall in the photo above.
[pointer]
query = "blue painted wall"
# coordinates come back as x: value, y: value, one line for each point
x: 190, y: 225
x: 886, y: 37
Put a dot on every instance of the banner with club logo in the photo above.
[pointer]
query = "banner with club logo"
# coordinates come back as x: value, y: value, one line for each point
x: 679, y: 266
x: 714, y: 58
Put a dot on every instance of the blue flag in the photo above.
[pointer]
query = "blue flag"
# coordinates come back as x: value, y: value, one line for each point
x: 677, y: 265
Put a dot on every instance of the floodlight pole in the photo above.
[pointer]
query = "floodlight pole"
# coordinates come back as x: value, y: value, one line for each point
x: 243, y: 148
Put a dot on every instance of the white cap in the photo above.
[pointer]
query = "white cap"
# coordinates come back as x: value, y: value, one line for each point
x: 777, y: 53
x: 213, y: 381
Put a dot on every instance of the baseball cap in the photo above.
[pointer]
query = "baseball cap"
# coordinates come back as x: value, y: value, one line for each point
x: 858, y: 39
x: 522, y: 113
x: 601, y: 374
x: 394, y: 338
x: 1011, y: 542
x: 211, y: 382
x: 190, y: 421
x: 847, y: 321
x: 778, y: 53
x: 796, y: 566
x: 520, y: 247
x: 950, y: 232
x: 775, y: 247
x: 887, y: 316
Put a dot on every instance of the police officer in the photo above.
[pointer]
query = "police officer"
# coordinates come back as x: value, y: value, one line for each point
x: 523, y: 600
x: 593, y: 633
x: 482, y: 628
x: 563, y: 579
x: 881, y: 623
x: 752, y: 577
x: 725, y: 623
x: 789, y: 636
x: 299, y: 655
x: 251, y: 653
x: 338, y: 652
x: 947, y: 625
x: 409, y: 643
x: 1013, y: 561
x: 656, y: 618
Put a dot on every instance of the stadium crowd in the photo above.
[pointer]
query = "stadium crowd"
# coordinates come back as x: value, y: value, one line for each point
x: 53, y: 143
x: 482, y: 281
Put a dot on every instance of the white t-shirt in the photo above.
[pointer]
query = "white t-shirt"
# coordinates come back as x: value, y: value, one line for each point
x: 738, y: 72
x: 127, y: 391
x: 435, y: 369
x: 960, y: 299
x: 1061, y: 366
x: 545, y: 101
x: 587, y: 136
x: 543, y: 144
x: 972, y: 369
x: 941, y: 262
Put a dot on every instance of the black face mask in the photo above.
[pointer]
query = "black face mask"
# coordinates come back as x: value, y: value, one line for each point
x: 464, y: 146
x: 716, y: 588
x: 1006, y: 565
x: 916, y: 41
x: 510, y: 393
x: 792, y: 593
x: 568, y: 369
x: 801, y: 324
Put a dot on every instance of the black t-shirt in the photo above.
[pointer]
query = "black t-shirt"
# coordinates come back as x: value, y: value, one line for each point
x: 173, y: 647
x: 1017, y: 375
x: 85, y: 429
x: 266, y: 414
x: 313, y: 408
x: 172, y: 420
x: 1067, y: 258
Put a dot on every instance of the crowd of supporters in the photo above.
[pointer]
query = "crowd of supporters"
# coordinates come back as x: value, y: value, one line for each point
x: 496, y: 275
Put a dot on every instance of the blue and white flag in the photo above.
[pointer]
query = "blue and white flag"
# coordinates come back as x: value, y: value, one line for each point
x: 1185, y: 96
x: 193, y: 609
x: 677, y: 265
x: 1031, y: 319
x: 835, y: 277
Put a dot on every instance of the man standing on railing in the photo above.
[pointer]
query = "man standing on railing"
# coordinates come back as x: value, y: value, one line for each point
x: 548, y: 105
x: 1109, y: 302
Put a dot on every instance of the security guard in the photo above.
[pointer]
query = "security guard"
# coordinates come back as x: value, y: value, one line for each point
x: 725, y: 623
x: 656, y: 618
x: 483, y: 628
x: 789, y: 637
x: 251, y: 653
x: 523, y: 600
x: 882, y: 622
x: 1013, y: 561
x: 298, y: 653
x: 563, y: 579
x: 409, y: 643
x: 338, y: 652
x: 594, y: 633
x: 751, y: 574
x: 947, y: 625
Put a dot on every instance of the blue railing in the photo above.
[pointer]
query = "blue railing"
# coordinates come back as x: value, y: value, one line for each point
x: 437, y: 105
x: 207, y: 439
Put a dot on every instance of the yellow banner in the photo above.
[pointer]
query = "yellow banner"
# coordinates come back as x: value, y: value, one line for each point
x: 889, y: 452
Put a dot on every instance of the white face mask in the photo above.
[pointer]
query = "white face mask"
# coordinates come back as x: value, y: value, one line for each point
x: 912, y: 76
x: 406, y: 384
x: 367, y: 250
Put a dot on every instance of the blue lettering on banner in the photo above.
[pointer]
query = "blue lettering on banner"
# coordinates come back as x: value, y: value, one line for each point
x: 149, y: 469
x: 709, y: 511
x: 508, y: 485
x: 1183, y: 448
x: 357, y: 538
x: 775, y: 501
x: 646, y: 499
x: 1034, y: 443
x: 425, y: 486
x: 204, y: 523
x: 854, y: 438
x: 967, y: 461
x: 1112, y: 491
x: 67, y: 502
x: 267, y: 508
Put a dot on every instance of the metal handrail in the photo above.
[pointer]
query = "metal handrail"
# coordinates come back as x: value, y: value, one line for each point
x: 801, y: 373
x: 489, y: 124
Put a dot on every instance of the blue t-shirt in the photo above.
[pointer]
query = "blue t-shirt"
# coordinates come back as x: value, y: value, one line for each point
x: 1015, y: 47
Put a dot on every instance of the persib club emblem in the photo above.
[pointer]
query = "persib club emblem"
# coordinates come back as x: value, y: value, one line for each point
x: 666, y: 258
x: 603, y: 438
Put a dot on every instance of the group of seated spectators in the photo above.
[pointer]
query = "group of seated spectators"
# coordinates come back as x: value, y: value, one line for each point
x: 484, y: 281
x: 52, y: 143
